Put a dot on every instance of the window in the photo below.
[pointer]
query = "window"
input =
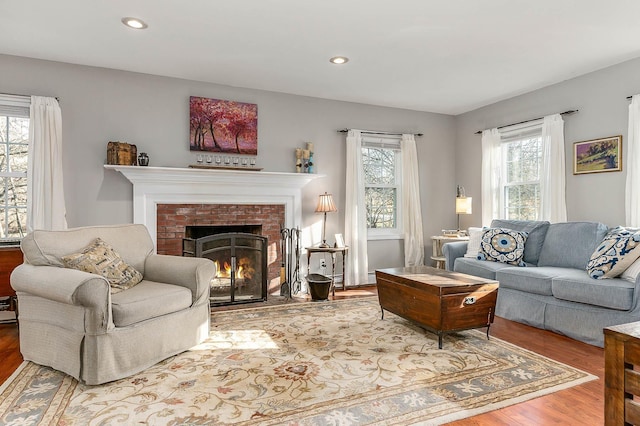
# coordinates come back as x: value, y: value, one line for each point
x: 521, y: 158
x: 381, y: 161
x: 14, y: 149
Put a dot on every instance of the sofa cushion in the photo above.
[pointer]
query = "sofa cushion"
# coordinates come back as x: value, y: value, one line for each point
x: 536, y: 230
x: 46, y: 248
x: 632, y: 273
x: 101, y: 259
x: 478, y: 268
x: 503, y: 245
x: 570, y: 244
x: 148, y: 300
x: 619, y: 249
x: 576, y: 286
x: 473, y: 246
x: 535, y: 280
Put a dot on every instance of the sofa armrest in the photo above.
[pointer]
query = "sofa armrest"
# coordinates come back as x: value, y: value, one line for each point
x: 194, y: 273
x: 90, y: 292
x: 64, y: 285
x: 452, y: 251
x: 636, y: 296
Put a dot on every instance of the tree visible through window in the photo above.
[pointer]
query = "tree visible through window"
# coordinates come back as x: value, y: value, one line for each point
x: 382, y: 184
x: 521, y: 178
x: 14, y: 148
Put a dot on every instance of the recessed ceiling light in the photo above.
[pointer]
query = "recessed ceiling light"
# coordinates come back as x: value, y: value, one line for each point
x: 134, y: 23
x: 338, y: 60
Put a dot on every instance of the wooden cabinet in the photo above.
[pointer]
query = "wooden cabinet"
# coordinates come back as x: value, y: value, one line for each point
x: 10, y: 257
x: 622, y: 378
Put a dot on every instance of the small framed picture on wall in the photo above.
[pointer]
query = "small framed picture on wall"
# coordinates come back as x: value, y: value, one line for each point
x: 598, y: 155
x: 339, y: 241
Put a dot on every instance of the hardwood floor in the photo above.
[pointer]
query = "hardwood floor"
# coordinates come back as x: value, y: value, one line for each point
x: 10, y: 357
x: 580, y: 405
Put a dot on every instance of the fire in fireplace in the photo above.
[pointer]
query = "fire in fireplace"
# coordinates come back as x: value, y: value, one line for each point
x: 240, y: 259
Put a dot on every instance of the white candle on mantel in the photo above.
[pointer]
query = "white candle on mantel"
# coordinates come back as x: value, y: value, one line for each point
x: 310, y: 146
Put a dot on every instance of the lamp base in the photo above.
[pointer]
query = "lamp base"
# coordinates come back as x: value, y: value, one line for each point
x: 324, y: 244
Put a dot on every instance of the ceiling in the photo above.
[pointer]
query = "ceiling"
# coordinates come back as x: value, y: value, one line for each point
x: 445, y: 56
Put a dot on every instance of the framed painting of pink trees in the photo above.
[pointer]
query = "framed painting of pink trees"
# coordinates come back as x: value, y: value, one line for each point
x: 223, y: 126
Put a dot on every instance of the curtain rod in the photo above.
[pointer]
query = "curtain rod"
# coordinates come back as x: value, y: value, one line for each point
x: 372, y: 132
x: 25, y: 96
x: 571, y: 111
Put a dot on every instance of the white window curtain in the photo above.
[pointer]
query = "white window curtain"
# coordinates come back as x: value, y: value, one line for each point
x: 553, y: 204
x: 632, y: 199
x: 491, y: 165
x: 355, y: 228
x: 411, y: 210
x: 45, y: 193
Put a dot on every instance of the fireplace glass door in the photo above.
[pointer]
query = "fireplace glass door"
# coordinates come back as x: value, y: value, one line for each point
x: 241, y: 266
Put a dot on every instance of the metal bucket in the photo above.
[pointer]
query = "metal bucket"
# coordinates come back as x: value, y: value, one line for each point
x: 319, y: 286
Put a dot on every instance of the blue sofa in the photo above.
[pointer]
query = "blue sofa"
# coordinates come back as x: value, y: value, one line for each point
x: 554, y: 291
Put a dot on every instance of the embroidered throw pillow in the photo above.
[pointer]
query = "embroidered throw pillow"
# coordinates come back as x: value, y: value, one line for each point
x: 473, y: 246
x: 101, y: 259
x: 503, y: 245
x: 617, y: 251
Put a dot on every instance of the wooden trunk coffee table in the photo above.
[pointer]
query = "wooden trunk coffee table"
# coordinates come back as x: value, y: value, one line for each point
x: 437, y: 300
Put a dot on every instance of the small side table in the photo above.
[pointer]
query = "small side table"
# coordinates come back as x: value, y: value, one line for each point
x: 8, y: 310
x: 438, y: 242
x: 332, y: 251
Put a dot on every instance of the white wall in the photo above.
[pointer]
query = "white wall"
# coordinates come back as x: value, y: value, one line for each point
x: 600, y: 98
x: 101, y: 105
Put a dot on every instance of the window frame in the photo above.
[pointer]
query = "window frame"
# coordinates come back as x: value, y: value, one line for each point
x: 12, y: 106
x: 508, y: 136
x: 391, y: 142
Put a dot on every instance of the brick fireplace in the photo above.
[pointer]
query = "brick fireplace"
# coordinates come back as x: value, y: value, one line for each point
x: 173, y: 219
x: 165, y: 198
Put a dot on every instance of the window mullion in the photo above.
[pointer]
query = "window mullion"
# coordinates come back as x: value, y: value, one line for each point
x: 380, y: 185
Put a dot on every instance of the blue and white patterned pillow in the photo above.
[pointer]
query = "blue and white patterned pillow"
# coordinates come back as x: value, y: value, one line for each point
x: 503, y: 245
x: 617, y: 251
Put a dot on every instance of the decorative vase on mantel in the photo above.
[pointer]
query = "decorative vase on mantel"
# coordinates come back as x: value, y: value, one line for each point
x: 143, y: 159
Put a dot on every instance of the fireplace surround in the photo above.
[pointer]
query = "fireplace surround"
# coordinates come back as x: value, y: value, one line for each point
x: 155, y: 188
x: 174, y: 185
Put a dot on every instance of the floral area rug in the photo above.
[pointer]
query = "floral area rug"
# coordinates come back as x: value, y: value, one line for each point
x: 324, y: 363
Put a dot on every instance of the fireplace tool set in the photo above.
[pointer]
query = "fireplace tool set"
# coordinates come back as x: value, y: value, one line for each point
x: 290, y: 265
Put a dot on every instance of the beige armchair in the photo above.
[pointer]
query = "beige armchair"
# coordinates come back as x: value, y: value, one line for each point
x: 71, y: 320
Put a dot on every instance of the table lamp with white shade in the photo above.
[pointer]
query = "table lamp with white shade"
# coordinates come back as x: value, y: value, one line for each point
x: 325, y: 205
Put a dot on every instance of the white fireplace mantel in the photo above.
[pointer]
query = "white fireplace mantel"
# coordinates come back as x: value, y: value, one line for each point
x: 173, y: 185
